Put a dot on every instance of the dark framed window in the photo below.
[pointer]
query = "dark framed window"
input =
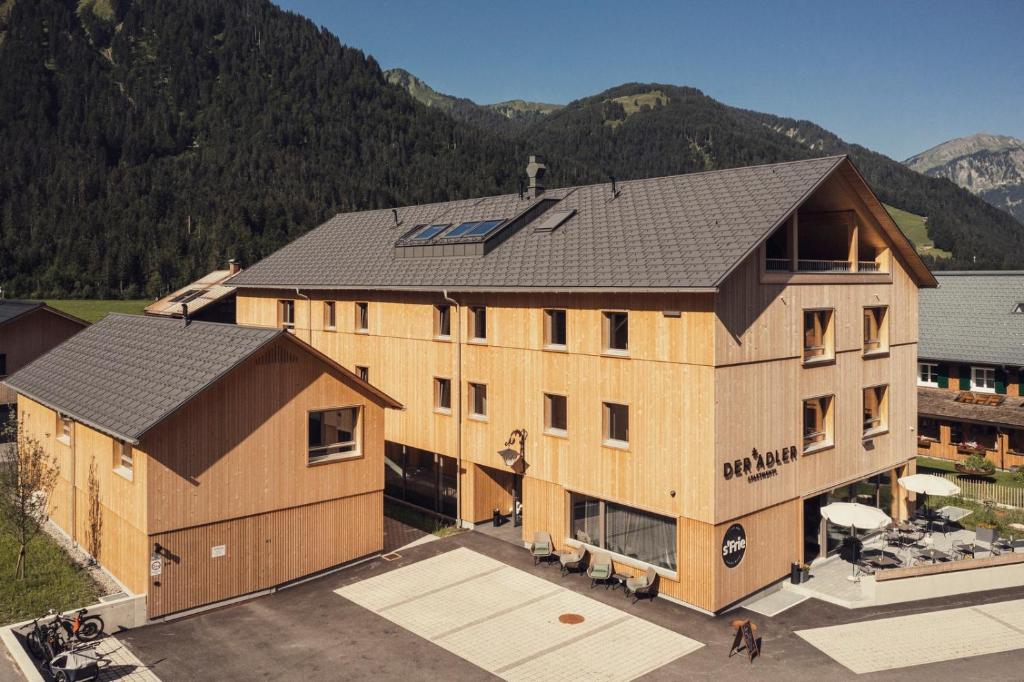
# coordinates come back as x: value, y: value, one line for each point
x: 363, y: 373
x: 478, y: 323
x: 362, y: 316
x: 556, y: 413
x: 478, y: 400
x: 616, y: 332
x: 615, y: 419
x: 442, y: 321
x: 334, y: 434
x: 633, y: 533
x: 3, y: 364
x: 330, y: 319
x: 442, y: 394
x: 554, y: 329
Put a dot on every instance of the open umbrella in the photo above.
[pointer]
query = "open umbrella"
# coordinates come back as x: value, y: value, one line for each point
x: 928, y: 484
x: 853, y: 515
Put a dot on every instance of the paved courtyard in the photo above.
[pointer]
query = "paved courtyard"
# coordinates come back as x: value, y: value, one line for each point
x: 507, y: 621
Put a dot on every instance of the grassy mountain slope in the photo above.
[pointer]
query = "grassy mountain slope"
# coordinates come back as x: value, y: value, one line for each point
x: 916, y: 228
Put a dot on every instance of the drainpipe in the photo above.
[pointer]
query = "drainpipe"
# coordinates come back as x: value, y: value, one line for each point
x: 458, y: 404
x: 309, y: 316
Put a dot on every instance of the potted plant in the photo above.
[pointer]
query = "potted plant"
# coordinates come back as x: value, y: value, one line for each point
x: 805, y: 572
x: 970, y: 447
x: 976, y: 465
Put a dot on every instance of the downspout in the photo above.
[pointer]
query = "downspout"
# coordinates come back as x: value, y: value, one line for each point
x: 309, y: 316
x: 458, y: 405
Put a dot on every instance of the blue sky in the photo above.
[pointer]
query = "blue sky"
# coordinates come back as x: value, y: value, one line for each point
x: 898, y: 76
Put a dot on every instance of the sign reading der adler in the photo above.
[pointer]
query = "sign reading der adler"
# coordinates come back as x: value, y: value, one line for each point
x: 759, y: 465
x: 734, y: 545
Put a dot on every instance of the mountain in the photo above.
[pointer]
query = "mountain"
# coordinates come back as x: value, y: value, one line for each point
x: 145, y: 142
x: 990, y: 166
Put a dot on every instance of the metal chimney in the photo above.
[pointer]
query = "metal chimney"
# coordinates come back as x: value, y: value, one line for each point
x: 535, y: 171
x: 233, y: 267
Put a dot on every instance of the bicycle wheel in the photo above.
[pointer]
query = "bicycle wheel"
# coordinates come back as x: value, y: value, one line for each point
x: 90, y: 629
x: 35, y: 647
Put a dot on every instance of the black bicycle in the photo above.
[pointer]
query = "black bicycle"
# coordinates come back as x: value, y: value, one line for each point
x: 82, y: 627
x: 46, y: 640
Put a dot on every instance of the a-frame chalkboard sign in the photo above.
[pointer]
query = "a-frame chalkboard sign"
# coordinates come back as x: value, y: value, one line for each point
x: 745, y: 639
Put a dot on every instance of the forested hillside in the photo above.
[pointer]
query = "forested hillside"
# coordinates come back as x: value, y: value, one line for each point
x: 145, y: 142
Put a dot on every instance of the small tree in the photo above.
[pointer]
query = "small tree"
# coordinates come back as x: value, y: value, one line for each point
x: 28, y: 474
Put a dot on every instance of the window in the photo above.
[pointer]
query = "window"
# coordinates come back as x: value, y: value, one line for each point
x: 817, y: 423
x: 875, y: 408
x: 478, y: 400
x: 875, y: 337
x: 442, y: 321
x: 1018, y: 309
x: 818, y: 335
x: 616, y: 332
x: 362, y: 316
x: 123, y: 459
x: 3, y: 364
x: 556, y: 416
x: 632, y: 533
x: 430, y: 231
x: 478, y: 323
x: 554, y: 329
x: 334, y: 434
x: 927, y: 374
x: 442, y: 394
x: 928, y: 428
x: 64, y: 429
x: 363, y: 373
x: 983, y: 379
x: 330, y: 320
x: 616, y: 424
x: 286, y: 314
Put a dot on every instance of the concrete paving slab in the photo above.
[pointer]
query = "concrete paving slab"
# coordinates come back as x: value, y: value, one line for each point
x: 775, y: 603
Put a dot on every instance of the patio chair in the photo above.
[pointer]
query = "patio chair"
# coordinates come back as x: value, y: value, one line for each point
x: 542, y: 547
x: 985, y: 540
x: 575, y: 561
x: 600, y: 569
x: 642, y: 586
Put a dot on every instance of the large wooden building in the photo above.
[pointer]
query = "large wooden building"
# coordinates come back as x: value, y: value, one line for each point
x: 680, y: 371
x: 202, y: 461
x: 27, y: 330
x: 969, y: 367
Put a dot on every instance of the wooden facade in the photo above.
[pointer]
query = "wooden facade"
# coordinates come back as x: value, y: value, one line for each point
x: 221, y: 494
x: 707, y: 378
x: 27, y: 336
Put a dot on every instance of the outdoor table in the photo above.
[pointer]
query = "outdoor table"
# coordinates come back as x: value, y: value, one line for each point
x: 619, y: 579
x: 934, y: 555
x: 883, y: 562
x: 964, y: 548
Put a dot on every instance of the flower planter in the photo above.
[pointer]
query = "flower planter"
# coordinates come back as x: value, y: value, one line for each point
x: 968, y: 471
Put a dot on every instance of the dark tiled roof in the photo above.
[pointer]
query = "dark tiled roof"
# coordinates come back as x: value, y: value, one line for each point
x: 11, y: 308
x: 969, y: 318
x: 939, y: 402
x: 126, y: 373
x: 677, y: 232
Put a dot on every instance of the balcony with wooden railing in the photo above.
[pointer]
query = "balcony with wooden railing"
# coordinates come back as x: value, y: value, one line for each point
x: 826, y: 244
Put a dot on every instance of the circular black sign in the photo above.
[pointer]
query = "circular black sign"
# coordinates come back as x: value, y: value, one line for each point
x: 734, y: 545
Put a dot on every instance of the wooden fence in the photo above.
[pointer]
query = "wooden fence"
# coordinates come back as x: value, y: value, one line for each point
x: 982, y: 491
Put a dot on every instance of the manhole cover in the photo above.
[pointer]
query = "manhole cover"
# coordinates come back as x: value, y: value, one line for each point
x: 570, y: 618
x: 392, y: 556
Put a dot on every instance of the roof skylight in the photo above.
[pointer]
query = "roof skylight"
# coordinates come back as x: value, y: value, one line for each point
x: 430, y: 231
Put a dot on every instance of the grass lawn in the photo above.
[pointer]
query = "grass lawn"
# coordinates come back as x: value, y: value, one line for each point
x: 998, y: 517
x: 424, y: 522
x: 96, y: 310
x: 916, y: 229
x: 53, y: 581
x: 927, y: 465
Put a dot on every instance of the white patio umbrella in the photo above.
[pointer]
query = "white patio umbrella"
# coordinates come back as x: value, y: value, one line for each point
x: 854, y: 515
x: 929, y: 485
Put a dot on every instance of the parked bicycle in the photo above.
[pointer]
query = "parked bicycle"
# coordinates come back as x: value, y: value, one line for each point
x: 82, y: 627
x: 46, y: 640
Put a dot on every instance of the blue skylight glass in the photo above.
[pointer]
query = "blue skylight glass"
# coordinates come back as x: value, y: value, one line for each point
x: 431, y: 231
x: 462, y: 229
x: 484, y: 227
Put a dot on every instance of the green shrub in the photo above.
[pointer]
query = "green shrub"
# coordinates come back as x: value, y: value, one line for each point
x: 979, y: 463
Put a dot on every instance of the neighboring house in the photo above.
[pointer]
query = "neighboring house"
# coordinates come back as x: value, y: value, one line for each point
x: 969, y: 367
x: 27, y: 330
x: 208, y: 299
x: 234, y: 458
x: 699, y: 362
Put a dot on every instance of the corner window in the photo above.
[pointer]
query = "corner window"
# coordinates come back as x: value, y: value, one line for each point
x: 330, y: 320
x: 362, y: 316
x: 554, y: 329
x: 363, y: 373
x: 983, y: 379
x: 123, y: 459
x: 927, y: 374
x: 875, y: 408
x: 478, y: 323
x: 334, y: 434
x: 876, y: 337
x: 631, y: 533
x: 556, y: 414
x: 615, y: 421
x: 616, y: 332
x: 442, y: 394
x: 817, y: 423
x: 478, y: 400
x: 442, y: 321
x: 818, y: 336
x: 286, y: 315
